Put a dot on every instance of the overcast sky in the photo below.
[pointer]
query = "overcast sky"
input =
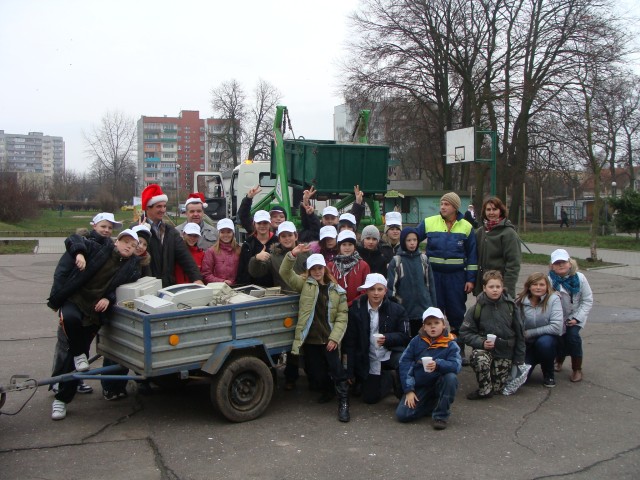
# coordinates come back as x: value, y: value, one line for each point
x: 66, y: 63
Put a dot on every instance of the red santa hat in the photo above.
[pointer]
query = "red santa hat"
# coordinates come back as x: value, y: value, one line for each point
x: 151, y: 195
x: 196, y: 198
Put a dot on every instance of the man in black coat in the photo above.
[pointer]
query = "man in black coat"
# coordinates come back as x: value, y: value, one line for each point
x: 377, y: 334
x: 166, y: 246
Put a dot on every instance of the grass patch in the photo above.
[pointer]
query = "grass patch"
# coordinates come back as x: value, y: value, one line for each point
x: 13, y: 247
x: 543, y: 259
x: 50, y: 224
x: 574, y: 238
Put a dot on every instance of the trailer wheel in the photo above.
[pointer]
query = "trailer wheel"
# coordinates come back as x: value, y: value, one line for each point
x: 243, y: 389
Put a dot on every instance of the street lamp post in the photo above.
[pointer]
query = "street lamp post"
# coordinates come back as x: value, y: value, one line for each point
x: 613, y: 189
x: 177, y: 189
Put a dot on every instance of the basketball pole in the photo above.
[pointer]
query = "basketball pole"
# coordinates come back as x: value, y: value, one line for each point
x: 493, y: 160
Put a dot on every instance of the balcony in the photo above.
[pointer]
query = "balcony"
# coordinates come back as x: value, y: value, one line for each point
x: 152, y: 159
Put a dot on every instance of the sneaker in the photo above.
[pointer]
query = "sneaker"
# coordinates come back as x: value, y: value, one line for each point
x: 549, y: 382
x: 58, y: 410
x: 439, y: 424
x: 81, y: 363
x: 108, y: 395
x: 475, y: 395
x: 84, y: 388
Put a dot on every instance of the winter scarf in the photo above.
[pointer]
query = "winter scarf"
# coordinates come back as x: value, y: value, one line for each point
x: 571, y: 283
x: 344, y: 263
x: 491, y: 224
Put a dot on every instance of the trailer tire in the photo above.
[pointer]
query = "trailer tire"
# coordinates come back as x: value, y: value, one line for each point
x: 243, y: 389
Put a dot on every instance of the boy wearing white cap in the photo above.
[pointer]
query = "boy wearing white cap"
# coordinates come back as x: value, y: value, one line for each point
x: 103, y: 225
x: 429, y: 370
x: 390, y: 242
x: 377, y: 333
x: 322, y: 322
x: 311, y: 224
x: 82, y: 298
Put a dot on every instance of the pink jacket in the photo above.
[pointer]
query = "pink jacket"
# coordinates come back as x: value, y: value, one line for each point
x: 220, y: 266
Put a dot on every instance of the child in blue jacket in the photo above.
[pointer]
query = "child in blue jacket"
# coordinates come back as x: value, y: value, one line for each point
x: 430, y: 385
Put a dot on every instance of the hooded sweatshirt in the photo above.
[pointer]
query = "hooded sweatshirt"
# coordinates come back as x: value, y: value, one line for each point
x: 410, y: 279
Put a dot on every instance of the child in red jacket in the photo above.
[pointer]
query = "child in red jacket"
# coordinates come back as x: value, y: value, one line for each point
x: 347, y: 267
x: 191, y: 235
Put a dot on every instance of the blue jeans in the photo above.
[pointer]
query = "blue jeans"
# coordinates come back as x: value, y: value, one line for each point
x: 570, y: 343
x: 435, y: 400
x: 542, y: 351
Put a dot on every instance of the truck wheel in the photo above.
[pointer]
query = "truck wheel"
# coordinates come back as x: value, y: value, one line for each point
x: 243, y: 389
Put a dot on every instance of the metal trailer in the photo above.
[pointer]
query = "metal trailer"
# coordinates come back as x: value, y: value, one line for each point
x: 235, y: 346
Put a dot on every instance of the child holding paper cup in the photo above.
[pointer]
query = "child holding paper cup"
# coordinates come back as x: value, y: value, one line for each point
x: 496, y: 335
x: 428, y: 372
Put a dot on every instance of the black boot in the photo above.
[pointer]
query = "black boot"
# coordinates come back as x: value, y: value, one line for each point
x: 342, y: 389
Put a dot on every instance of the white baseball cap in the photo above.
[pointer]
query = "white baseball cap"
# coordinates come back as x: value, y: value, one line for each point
x: 330, y: 211
x: 393, y: 218
x: 226, y: 223
x: 560, y: 255
x: 142, y: 229
x: 347, y: 235
x: 349, y: 217
x: 262, y: 216
x: 192, y: 229
x: 373, y: 279
x: 315, y: 259
x: 328, y: 231
x: 129, y: 232
x: 432, y: 312
x: 105, y: 216
x: 286, y: 227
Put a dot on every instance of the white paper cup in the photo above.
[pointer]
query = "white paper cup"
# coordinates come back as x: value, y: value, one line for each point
x: 491, y: 337
x: 425, y: 362
x: 378, y: 335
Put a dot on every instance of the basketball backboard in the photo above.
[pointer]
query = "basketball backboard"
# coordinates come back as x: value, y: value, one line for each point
x: 461, y: 145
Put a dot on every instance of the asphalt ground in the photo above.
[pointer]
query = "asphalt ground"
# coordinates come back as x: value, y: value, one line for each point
x: 573, y: 431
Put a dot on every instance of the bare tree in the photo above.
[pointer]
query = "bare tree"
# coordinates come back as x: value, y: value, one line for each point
x: 631, y: 123
x: 228, y: 103
x: 112, y: 146
x: 261, y: 117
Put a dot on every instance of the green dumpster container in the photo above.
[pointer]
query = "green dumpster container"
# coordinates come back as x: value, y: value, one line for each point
x: 335, y: 168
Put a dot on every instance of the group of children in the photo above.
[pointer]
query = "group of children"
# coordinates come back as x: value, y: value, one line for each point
x: 540, y: 326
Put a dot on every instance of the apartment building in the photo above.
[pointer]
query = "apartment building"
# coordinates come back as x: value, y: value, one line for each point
x: 32, y: 153
x: 171, y: 149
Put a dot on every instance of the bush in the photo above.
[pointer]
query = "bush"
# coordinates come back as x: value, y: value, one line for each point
x: 18, y: 198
